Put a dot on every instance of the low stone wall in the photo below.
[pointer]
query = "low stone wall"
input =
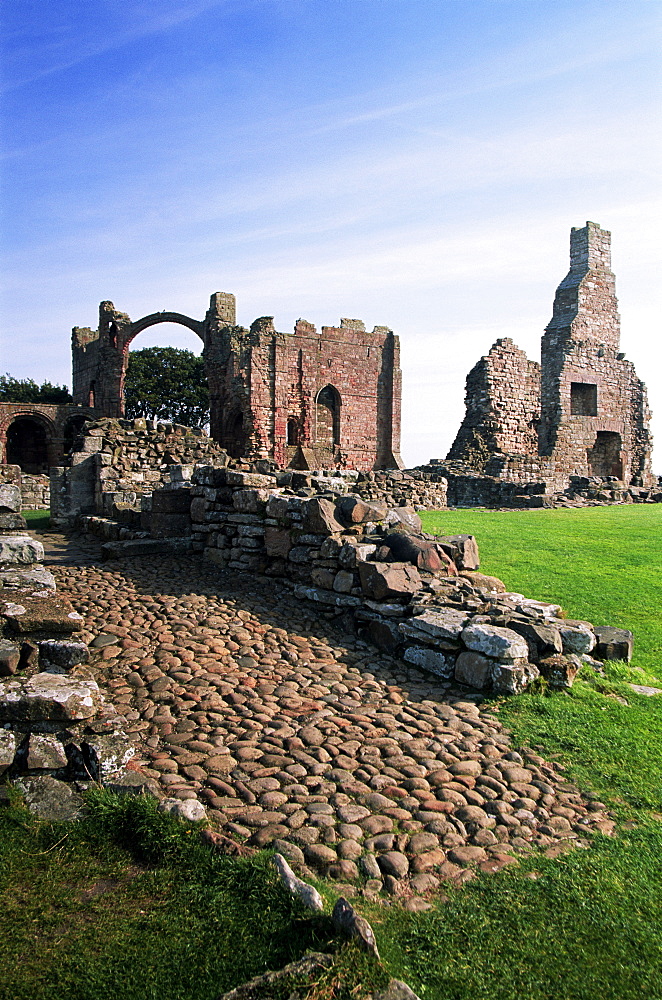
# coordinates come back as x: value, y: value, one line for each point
x: 442, y: 616
x: 119, y: 462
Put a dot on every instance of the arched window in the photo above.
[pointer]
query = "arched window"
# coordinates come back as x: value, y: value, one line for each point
x: 91, y: 394
x: 327, y: 417
x: 27, y: 446
x: 235, y: 437
x: 292, y: 430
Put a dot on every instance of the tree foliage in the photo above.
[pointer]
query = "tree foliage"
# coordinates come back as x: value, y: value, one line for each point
x: 166, y: 383
x: 26, y: 390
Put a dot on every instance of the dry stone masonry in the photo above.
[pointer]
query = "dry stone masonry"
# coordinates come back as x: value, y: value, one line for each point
x: 582, y: 412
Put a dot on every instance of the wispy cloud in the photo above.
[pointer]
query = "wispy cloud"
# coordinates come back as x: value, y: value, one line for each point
x: 53, y: 51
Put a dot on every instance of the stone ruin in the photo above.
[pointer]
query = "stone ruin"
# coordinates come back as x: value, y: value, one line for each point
x: 580, y: 417
x: 309, y: 399
x: 57, y: 733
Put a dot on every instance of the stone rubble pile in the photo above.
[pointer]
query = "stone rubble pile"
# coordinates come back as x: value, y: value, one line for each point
x: 416, y: 596
x: 54, y: 724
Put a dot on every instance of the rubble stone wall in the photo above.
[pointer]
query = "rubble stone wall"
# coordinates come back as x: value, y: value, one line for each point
x: 119, y: 462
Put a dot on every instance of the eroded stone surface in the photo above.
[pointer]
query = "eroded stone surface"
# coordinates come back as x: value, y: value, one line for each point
x: 45, y: 696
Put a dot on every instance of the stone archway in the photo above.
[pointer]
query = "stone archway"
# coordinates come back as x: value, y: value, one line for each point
x: 29, y: 444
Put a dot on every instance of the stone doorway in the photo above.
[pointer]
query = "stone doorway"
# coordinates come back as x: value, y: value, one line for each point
x: 27, y: 446
x: 604, y: 458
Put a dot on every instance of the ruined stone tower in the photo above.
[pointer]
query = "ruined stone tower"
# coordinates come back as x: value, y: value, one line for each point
x: 310, y: 399
x: 582, y: 411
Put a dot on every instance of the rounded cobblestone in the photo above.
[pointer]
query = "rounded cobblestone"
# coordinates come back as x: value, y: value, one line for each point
x: 293, y: 732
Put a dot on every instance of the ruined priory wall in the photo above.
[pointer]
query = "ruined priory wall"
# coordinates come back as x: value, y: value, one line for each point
x: 502, y: 407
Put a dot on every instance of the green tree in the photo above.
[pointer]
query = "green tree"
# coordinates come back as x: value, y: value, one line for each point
x: 26, y: 390
x: 165, y: 383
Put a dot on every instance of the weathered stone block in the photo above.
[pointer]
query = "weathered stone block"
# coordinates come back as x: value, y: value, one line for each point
x: 508, y: 678
x: 278, y: 542
x: 62, y: 654
x: 40, y: 614
x: 545, y: 640
x: 560, y: 671
x: 431, y: 660
x: 577, y: 637
x: 20, y: 550
x: 10, y: 523
x: 48, y: 697
x: 613, y: 643
x: 10, y: 655
x: 405, y: 517
x: 10, y: 498
x: 441, y: 626
x: 499, y: 643
x: 319, y: 516
x: 381, y: 580
x: 473, y: 669
x: 250, y: 501
x: 462, y: 549
x: 352, y: 554
x: 343, y: 581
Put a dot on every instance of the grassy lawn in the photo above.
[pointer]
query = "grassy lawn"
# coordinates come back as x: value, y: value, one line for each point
x: 37, y: 519
x: 129, y: 905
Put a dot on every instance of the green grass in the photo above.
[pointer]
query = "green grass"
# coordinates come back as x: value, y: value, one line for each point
x: 37, y: 519
x: 129, y: 903
x: 600, y: 563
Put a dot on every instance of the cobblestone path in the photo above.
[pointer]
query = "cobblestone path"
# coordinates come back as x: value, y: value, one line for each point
x: 296, y: 734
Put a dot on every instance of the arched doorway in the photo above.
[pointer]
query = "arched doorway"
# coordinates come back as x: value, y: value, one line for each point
x: 28, y: 441
x: 327, y: 417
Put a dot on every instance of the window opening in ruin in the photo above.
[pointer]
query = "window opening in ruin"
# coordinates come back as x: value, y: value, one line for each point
x: 604, y: 458
x: 91, y: 394
x: 72, y: 431
x: 27, y: 446
x: 292, y: 430
x: 583, y: 399
x: 235, y: 438
x: 327, y: 417
x: 112, y: 331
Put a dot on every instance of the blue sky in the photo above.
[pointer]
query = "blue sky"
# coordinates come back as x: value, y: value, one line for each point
x: 417, y: 164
